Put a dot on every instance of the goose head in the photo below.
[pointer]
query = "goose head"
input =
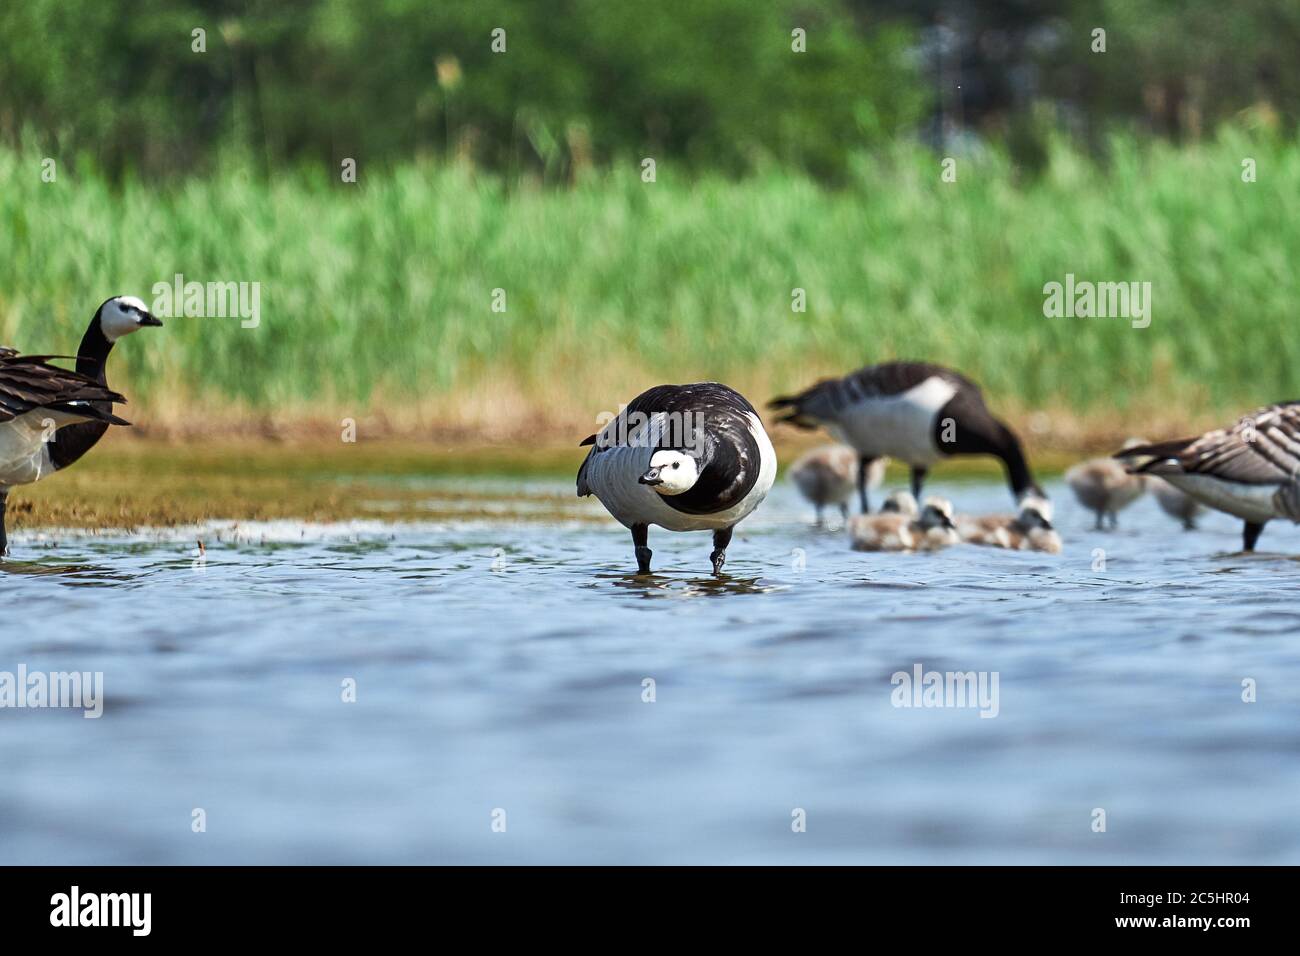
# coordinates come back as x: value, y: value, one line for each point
x: 122, y: 315
x: 671, y: 472
x: 1035, y: 499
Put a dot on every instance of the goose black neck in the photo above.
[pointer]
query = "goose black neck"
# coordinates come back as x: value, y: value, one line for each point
x: 75, y: 440
x: 1018, y: 475
x: 92, y: 354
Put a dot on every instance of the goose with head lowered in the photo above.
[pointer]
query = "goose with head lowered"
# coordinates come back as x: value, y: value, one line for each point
x: 49, y: 416
x: 685, y: 458
x: 916, y: 412
x: 1250, y: 470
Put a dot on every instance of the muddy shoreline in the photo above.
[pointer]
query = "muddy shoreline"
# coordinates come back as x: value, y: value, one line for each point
x: 139, y: 482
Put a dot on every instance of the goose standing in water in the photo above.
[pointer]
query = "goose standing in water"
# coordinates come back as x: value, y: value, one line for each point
x: 1250, y: 470
x: 685, y: 458
x: 918, y: 413
x: 826, y: 476
x: 50, y: 417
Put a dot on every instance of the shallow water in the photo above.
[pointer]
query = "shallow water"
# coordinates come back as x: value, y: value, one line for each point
x: 499, y: 664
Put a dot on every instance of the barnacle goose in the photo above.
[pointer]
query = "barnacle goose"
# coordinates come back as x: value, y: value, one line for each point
x: 913, y: 411
x: 1250, y: 470
x: 825, y: 476
x: 894, y: 530
x: 683, y: 457
x: 49, y: 416
x: 1105, y: 487
x: 1029, y: 530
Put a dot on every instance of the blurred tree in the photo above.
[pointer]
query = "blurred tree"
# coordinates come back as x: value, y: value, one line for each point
x: 716, y: 83
x: 713, y: 84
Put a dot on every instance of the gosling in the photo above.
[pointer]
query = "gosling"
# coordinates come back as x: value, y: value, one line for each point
x: 827, y: 476
x: 1030, y: 530
x: 1105, y: 488
x: 1176, y: 504
x: 894, y: 530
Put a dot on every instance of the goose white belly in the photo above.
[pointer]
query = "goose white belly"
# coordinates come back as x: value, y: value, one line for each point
x: 901, y: 426
x: 1248, y: 502
x: 612, y: 477
x: 24, y: 451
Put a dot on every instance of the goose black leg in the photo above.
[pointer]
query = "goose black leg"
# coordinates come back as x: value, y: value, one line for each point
x: 1114, y: 521
x: 918, y: 479
x: 640, y: 538
x: 721, y: 538
x: 1101, y: 522
x: 1250, y: 534
x: 864, y: 464
x: 844, y: 511
x: 4, y: 539
x: 818, y: 522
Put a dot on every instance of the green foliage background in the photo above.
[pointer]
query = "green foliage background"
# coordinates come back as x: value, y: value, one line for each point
x: 775, y: 171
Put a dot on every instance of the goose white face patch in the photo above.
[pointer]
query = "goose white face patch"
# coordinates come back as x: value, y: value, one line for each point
x: 1038, y: 503
x: 121, y: 316
x: 678, y: 472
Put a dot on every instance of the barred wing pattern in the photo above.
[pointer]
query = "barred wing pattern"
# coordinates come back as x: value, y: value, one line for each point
x: 28, y: 382
x: 1261, y: 449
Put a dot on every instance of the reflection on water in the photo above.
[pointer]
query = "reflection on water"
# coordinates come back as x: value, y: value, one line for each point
x: 672, y: 717
x: 667, y: 585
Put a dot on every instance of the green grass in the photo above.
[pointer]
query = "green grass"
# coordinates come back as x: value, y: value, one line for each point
x: 381, y: 292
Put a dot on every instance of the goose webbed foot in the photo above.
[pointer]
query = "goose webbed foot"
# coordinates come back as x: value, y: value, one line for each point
x: 643, y: 556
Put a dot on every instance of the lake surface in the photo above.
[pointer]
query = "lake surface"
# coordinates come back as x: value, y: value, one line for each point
x: 500, y: 665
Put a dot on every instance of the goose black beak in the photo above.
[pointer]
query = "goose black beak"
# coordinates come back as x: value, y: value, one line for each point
x: 651, y: 477
x: 148, y: 319
x: 1047, y: 526
x: 947, y: 523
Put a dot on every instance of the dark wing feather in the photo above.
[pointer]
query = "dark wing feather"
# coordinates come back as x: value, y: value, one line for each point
x: 1261, y: 449
x: 29, y: 382
x: 711, y: 400
x: 824, y: 401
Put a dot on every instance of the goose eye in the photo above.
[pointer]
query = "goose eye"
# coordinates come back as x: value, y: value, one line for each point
x: 677, y: 464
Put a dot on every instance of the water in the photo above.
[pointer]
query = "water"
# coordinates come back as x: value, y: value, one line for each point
x: 499, y: 664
